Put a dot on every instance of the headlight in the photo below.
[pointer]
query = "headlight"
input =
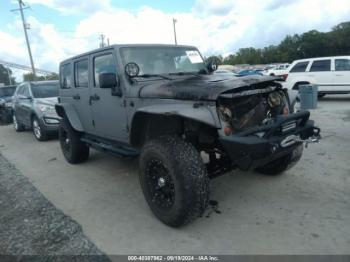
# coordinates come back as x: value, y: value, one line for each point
x: 45, y: 108
x: 8, y: 104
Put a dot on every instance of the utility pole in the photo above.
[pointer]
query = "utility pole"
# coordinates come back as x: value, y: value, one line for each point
x: 174, y: 22
x: 102, y: 37
x: 21, y: 4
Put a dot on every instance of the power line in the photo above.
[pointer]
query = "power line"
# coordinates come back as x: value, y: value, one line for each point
x: 25, y: 28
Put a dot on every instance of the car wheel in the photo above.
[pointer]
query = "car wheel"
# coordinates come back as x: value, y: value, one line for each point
x: 38, y: 130
x: 321, y: 95
x: 17, y: 126
x: 174, y: 180
x: 74, y: 150
x: 282, y: 164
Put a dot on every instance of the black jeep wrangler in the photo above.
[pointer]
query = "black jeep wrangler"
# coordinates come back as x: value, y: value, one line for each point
x: 163, y: 104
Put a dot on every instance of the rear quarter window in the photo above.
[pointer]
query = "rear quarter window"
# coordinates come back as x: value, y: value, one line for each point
x: 321, y: 66
x: 342, y: 64
x: 66, y: 76
x: 299, y: 67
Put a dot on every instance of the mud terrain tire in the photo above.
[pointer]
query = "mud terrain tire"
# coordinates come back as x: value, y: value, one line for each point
x: 282, y: 164
x: 174, y: 180
x: 74, y: 150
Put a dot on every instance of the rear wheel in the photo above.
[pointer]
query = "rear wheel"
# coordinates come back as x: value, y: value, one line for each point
x: 282, y: 164
x: 320, y: 95
x: 74, y: 150
x: 16, y: 125
x: 38, y: 130
x: 174, y: 180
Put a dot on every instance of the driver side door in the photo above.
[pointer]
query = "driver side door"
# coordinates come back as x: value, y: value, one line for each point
x: 108, y: 110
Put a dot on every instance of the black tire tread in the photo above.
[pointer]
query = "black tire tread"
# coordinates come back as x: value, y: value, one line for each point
x: 79, y: 150
x: 186, y: 163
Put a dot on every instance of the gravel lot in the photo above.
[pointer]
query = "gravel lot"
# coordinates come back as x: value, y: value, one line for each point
x: 304, y: 211
x: 31, y: 225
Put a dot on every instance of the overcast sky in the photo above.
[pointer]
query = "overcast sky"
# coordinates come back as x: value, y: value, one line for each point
x: 62, y: 28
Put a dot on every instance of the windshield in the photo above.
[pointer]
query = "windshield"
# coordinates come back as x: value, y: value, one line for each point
x: 163, y: 60
x: 45, y: 90
x: 7, y: 91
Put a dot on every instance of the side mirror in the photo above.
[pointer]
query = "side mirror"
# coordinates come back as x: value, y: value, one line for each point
x: 212, y: 66
x: 110, y: 80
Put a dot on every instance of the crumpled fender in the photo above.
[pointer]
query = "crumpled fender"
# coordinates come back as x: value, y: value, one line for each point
x: 65, y: 109
x: 201, y: 113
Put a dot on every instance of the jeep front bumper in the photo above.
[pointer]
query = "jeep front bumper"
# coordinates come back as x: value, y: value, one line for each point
x: 260, y: 145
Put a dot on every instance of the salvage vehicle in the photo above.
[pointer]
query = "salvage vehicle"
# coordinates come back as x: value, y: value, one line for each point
x: 186, y: 124
x: 33, y: 108
x: 6, y: 93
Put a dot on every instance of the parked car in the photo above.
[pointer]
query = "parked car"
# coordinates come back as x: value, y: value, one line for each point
x: 330, y: 74
x: 163, y: 104
x: 33, y: 108
x: 250, y: 72
x: 225, y: 72
x: 6, y: 93
x: 278, y: 70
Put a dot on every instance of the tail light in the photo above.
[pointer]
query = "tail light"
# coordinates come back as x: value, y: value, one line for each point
x: 285, y: 77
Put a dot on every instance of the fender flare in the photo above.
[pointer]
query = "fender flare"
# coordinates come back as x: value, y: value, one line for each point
x: 201, y: 113
x: 68, y: 110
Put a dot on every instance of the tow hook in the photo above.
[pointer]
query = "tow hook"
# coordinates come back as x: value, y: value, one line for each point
x: 289, y: 140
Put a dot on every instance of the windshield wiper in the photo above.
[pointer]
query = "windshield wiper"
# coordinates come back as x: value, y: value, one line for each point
x: 154, y: 75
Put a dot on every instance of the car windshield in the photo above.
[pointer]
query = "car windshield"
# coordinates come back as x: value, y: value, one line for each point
x: 163, y: 60
x: 7, y: 91
x: 45, y: 90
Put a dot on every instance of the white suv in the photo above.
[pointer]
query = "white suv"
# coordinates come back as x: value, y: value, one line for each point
x: 278, y: 70
x: 330, y: 74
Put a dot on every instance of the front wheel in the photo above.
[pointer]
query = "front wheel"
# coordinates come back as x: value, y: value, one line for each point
x: 38, y: 130
x: 282, y: 164
x: 74, y: 150
x: 174, y: 180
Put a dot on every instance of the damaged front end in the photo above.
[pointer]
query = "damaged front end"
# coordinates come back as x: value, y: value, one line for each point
x: 259, y: 125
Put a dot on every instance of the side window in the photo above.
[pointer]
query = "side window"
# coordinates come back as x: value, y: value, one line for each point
x: 20, y: 90
x: 342, y: 64
x: 321, y: 65
x: 299, y: 67
x: 65, y: 76
x: 26, y: 91
x: 103, y: 64
x: 81, y: 73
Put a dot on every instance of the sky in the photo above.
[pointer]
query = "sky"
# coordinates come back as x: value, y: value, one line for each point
x: 63, y: 28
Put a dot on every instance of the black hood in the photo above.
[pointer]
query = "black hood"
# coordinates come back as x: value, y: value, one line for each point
x: 203, y: 87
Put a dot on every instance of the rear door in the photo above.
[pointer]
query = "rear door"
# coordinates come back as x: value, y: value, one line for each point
x: 342, y: 74
x: 108, y: 110
x: 23, y: 104
x: 80, y: 93
x: 320, y: 71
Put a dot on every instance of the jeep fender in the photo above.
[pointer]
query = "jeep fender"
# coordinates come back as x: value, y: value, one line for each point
x: 200, y: 113
x: 68, y: 110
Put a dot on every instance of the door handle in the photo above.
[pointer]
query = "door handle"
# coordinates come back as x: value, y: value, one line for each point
x: 76, y: 97
x: 95, y: 97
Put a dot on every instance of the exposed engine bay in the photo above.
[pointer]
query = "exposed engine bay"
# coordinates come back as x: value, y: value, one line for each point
x: 252, y: 110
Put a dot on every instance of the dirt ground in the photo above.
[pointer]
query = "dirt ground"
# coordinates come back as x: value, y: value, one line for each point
x: 304, y: 211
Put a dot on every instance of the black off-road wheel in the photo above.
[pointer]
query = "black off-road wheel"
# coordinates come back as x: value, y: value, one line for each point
x: 282, y: 164
x: 174, y: 180
x: 74, y: 150
x: 16, y: 125
x: 39, y: 130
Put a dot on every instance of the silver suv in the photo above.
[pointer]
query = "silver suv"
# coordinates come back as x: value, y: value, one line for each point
x: 165, y: 105
x: 33, y: 108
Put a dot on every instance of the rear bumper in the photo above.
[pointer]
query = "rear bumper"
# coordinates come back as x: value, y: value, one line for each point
x: 260, y: 145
